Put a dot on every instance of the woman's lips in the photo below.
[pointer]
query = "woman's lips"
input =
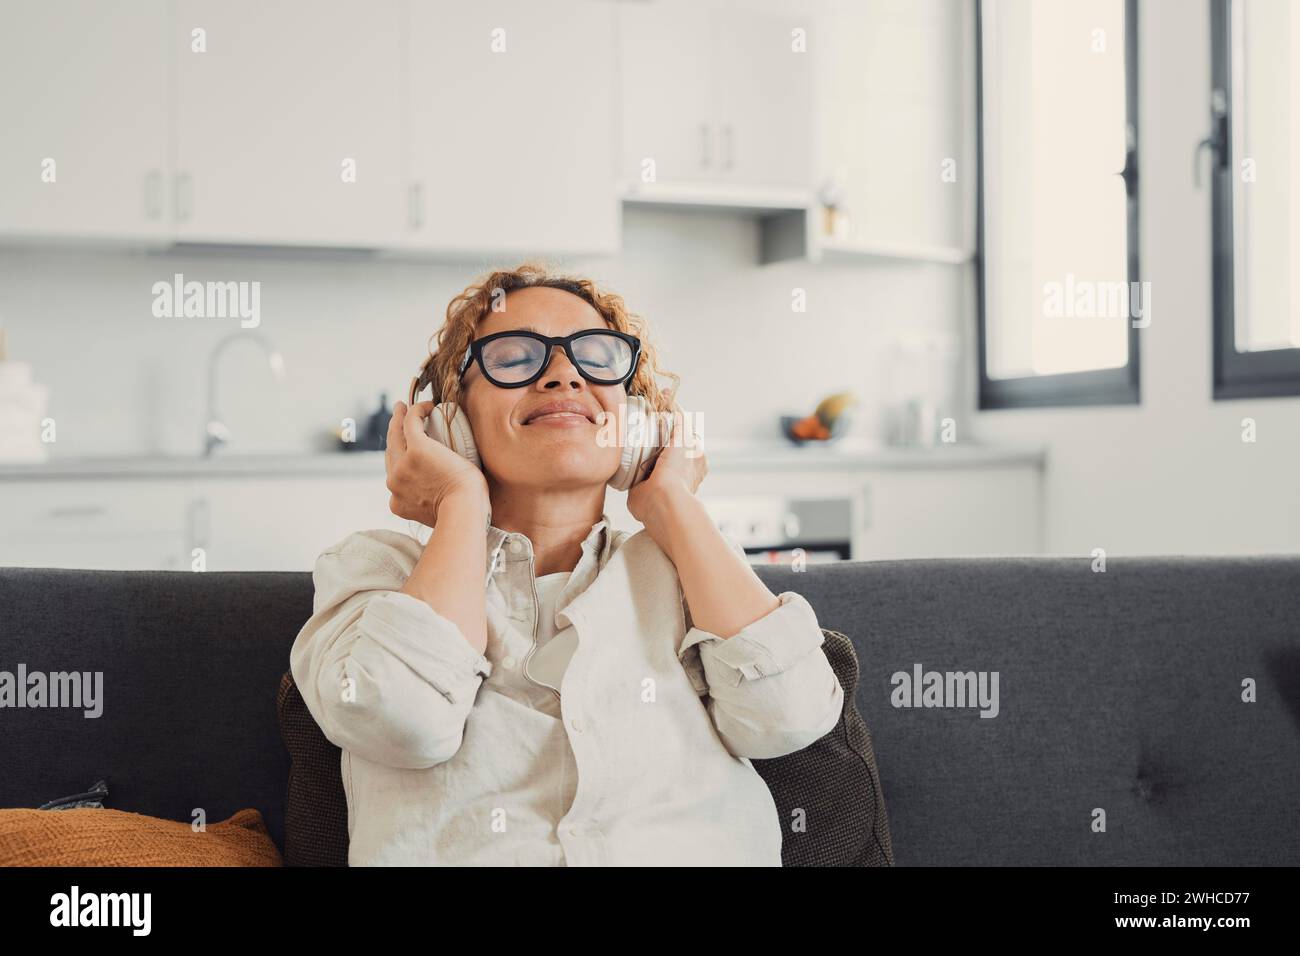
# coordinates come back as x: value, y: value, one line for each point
x: 561, y: 418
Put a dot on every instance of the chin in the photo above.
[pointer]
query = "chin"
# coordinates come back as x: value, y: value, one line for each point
x: 574, y: 470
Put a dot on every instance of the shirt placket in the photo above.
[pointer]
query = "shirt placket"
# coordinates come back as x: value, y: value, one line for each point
x: 579, y: 837
x: 514, y: 578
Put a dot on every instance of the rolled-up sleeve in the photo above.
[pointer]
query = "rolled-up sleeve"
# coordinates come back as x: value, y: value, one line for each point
x: 386, y: 677
x: 771, y: 689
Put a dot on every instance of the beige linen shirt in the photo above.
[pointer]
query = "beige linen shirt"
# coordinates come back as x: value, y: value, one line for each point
x: 642, y: 758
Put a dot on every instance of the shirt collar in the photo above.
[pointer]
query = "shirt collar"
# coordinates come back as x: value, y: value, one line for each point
x: 598, y: 542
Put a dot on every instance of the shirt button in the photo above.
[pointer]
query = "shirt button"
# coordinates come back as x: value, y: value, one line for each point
x: 577, y: 725
x: 508, y: 663
x: 516, y: 546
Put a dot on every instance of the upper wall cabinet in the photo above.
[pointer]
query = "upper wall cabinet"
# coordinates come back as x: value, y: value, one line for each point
x: 897, y: 101
x: 288, y: 122
x: 716, y: 96
x: 513, y: 127
x: 83, y: 109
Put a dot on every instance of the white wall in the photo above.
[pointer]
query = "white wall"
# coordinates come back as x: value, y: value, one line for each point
x: 1171, y: 475
x: 124, y: 382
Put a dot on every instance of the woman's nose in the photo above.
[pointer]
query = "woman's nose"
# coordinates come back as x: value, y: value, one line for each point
x: 559, y: 370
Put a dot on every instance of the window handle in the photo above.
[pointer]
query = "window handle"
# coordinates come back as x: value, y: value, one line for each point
x: 1218, y: 142
x: 1130, y: 171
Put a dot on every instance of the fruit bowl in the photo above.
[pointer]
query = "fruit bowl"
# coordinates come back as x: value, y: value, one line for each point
x: 838, y: 430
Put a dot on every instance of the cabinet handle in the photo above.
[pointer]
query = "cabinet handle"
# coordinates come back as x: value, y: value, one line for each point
x: 77, y: 511
x: 706, y: 146
x: 153, y: 194
x: 415, y: 204
x: 728, y: 146
x: 183, y: 189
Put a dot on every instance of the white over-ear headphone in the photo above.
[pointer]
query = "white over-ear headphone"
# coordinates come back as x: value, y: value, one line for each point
x: 644, y: 440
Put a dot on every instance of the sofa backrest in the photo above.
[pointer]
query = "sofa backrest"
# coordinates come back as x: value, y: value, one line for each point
x: 1118, y: 693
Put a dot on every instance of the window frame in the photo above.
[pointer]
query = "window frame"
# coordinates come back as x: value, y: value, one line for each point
x: 1272, y: 372
x: 1110, y: 386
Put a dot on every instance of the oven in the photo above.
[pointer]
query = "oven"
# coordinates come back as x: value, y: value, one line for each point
x: 775, y: 529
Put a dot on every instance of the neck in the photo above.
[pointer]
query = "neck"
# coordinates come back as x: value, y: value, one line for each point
x: 555, y: 521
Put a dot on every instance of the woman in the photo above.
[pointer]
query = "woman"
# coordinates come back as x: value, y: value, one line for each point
x: 554, y: 691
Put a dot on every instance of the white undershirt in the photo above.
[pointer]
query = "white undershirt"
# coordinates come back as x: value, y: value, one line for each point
x: 554, y: 648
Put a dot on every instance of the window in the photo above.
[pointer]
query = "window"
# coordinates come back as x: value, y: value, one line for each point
x: 1255, y: 145
x: 1059, y: 297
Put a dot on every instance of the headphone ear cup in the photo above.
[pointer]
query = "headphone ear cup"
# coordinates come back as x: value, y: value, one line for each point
x: 459, y: 437
x: 643, y: 426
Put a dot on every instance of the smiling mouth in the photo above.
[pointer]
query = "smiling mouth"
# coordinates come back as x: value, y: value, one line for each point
x: 558, y: 416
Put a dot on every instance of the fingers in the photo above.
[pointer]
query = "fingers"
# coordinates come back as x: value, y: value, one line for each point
x: 414, y: 423
x: 396, y: 443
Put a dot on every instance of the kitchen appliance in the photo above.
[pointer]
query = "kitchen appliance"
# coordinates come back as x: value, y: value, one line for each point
x: 775, y: 529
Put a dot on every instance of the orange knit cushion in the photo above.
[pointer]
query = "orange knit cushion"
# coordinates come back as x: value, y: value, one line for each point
x: 95, y: 837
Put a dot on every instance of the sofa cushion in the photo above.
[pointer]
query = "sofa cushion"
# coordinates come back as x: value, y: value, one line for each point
x: 97, y: 837
x: 828, y: 795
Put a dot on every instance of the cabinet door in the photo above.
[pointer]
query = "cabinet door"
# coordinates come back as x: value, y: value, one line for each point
x: 512, y: 120
x: 766, y: 102
x: 83, y: 104
x: 937, y: 513
x: 895, y: 111
x: 667, y: 89
x: 124, y: 524
x: 283, y: 524
x: 288, y: 126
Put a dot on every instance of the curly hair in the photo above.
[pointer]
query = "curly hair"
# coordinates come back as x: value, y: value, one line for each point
x: 466, y: 310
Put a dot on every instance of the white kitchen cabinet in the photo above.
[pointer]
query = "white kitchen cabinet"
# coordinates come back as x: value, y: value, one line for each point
x: 288, y: 127
x: 83, y: 109
x: 130, y: 525
x: 716, y: 95
x: 239, y: 523
x: 513, y: 131
x: 282, y: 524
x: 766, y: 102
x: 967, y: 512
x: 895, y: 89
x: 667, y: 89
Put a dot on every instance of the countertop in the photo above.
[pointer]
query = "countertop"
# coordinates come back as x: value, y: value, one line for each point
x: 722, y: 455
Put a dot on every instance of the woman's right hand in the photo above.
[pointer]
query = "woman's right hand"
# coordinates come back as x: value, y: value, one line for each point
x: 422, y: 472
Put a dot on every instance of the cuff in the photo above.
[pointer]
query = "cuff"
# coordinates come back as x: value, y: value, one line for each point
x: 768, y: 646
x: 428, y: 643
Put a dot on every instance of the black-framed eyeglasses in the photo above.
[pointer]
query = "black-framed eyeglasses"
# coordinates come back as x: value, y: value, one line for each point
x: 517, y: 358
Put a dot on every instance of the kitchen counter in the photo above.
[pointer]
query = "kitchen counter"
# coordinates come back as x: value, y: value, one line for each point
x: 723, y: 456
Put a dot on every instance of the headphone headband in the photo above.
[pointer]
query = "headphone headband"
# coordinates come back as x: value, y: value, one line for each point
x: 421, y: 380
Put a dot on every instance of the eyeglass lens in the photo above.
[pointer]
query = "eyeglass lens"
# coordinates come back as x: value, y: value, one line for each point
x: 516, y: 358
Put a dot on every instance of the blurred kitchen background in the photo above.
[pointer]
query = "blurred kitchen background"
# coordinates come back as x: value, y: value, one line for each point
x: 788, y: 191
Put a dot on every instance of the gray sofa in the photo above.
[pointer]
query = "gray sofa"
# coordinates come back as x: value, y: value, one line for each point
x: 1118, y: 693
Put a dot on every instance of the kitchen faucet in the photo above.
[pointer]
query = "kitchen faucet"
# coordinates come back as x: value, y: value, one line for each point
x: 216, y: 433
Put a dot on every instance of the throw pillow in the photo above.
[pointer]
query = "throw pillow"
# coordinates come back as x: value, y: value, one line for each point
x: 99, y: 837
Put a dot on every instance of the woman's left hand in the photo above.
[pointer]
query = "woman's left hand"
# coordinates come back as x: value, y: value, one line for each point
x: 679, y: 467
